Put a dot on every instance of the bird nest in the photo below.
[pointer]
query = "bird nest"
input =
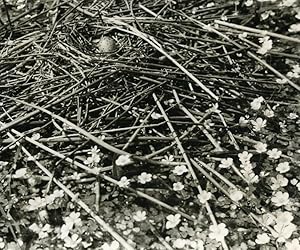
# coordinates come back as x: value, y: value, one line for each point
x: 140, y: 111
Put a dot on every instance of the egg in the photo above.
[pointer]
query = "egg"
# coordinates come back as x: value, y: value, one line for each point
x: 106, y: 44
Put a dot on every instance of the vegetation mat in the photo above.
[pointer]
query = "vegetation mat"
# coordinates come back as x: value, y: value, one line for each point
x: 167, y: 124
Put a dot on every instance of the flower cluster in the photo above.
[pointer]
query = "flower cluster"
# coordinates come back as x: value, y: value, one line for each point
x: 144, y: 177
x: 226, y: 163
x: 39, y: 202
x: 140, y: 216
x: 258, y: 124
x: 123, y: 160
x: 295, y: 72
x: 204, y: 196
x: 173, y: 220
x: 71, y: 221
x: 42, y: 230
x: 247, y: 167
x: 266, y: 45
x: 283, y: 228
x: 218, y: 232
x: 180, y: 170
x: 94, y: 158
x: 280, y: 198
x: 123, y: 182
x: 111, y: 246
x: 196, y: 244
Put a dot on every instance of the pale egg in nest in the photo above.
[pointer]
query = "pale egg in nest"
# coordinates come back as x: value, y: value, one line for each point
x: 106, y: 44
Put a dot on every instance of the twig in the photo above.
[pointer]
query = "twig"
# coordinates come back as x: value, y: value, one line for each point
x: 204, y: 131
x: 258, y: 31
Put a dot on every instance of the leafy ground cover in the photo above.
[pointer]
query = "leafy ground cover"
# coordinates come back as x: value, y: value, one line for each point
x: 149, y: 125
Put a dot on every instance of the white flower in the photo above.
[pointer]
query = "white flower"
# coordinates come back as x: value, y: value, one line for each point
x: 268, y: 219
x: 274, y: 153
x: 256, y: 103
x: 123, y: 182
x: 73, y: 219
x: 91, y: 160
x: 224, y: 18
x: 94, y: 151
x: 179, y: 243
x: 94, y: 159
x: 169, y: 102
x: 20, y: 173
x: 204, y: 196
x: 226, y: 163
x: 283, y: 167
x: 15, y: 246
x: 248, y: 3
x: 260, y: 147
x: 72, y: 241
x: 172, y: 220
x: 197, y: 244
x: 296, y: 69
x: 250, y: 176
x: 43, y: 215
x: 178, y: 186
x: 36, y: 136
x: 294, y: 28
x: 235, y: 194
x: 247, y: 166
x: 66, y: 126
x: 65, y: 230
x: 258, y: 124
x: 123, y: 160
x: 42, y: 231
x: 179, y: 170
x: 262, y: 239
x: 266, y: 45
x: 21, y: 6
x: 266, y: 14
x: 292, y: 245
x: 218, y: 232
x: 115, y: 245
x: 168, y: 158
x: 244, y: 157
x: 56, y: 194
x: 280, y: 199
x: 243, y: 35
x: 283, y: 232
x: 292, y: 74
x: 144, y: 178
x: 284, y: 218
x: 140, y: 216
x: 279, y: 181
x: 269, y: 113
x: 2, y: 243
x: 36, y: 203
x: 294, y: 181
